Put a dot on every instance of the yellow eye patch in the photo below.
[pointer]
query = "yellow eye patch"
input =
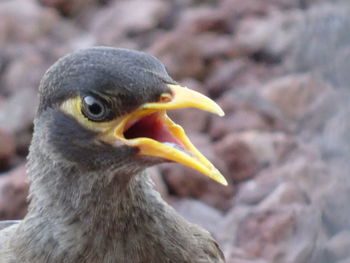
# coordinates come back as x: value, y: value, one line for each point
x: 73, y: 107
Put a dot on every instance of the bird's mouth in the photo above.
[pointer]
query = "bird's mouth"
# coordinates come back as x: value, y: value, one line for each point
x: 155, y: 134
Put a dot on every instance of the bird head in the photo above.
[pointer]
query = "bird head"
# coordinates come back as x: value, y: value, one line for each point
x: 106, y: 108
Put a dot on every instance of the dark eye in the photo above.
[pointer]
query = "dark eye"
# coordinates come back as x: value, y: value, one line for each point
x: 94, y: 109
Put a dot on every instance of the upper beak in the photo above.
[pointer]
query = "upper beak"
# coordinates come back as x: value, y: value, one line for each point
x: 155, y: 134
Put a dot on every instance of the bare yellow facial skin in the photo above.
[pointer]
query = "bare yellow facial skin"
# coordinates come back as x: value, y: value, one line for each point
x: 181, y: 97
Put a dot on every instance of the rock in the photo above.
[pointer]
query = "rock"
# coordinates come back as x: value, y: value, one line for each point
x: 332, y: 200
x: 223, y: 77
x: 23, y: 139
x: 305, y: 168
x: 198, y: 213
x: 335, y: 136
x: 286, y: 193
x: 328, y: 56
x: 235, y: 10
x: 14, y: 118
x: 68, y: 7
x: 235, y: 260
x: 13, y: 194
x: 271, y: 36
x: 248, y: 98
x: 288, y: 233
x: 347, y: 260
x: 227, y: 231
x: 337, y: 247
x: 300, y: 170
x: 24, y: 24
x: 120, y: 19
x: 202, y: 19
x: 269, y: 148
x: 240, y: 160
x: 246, y: 109
x: 320, y: 115
x: 180, y: 54
x: 256, y: 7
x: 285, y: 234
x: 185, y: 182
x: 240, y: 75
x: 241, y: 120
x: 214, y: 47
x: 24, y: 72
x: 294, y: 94
x: 4, y: 60
x: 254, y: 191
x: 7, y: 149
x: 236, y: 255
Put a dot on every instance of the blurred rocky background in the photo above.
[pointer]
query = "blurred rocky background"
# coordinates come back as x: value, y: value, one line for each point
x: 279, y: 68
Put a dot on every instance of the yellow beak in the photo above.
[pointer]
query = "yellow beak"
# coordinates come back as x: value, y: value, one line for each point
x: 155, y: 134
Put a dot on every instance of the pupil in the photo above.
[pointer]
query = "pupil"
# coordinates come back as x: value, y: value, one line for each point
x: 95, y: 109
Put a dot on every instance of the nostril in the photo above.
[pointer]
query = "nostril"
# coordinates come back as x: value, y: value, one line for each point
x: 165, y: 97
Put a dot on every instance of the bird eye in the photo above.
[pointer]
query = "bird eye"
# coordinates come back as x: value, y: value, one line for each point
x: 94, y: 109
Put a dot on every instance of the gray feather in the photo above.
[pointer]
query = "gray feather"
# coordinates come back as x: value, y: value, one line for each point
x: 91, y: 202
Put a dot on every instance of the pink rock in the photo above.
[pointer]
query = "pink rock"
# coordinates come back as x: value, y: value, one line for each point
x: 295, y: 94
x: 24, y: 24
x: 246, y: 109
x: 271, y: 36
x: 241, y: 120
x: 285, y: 193
x: 68, y: 7
x: 202, y: 19
x: 112, y: 24
x: 254, y: 191
x: 13, y: 118
x: 333, y: 199
x: 337, y: 247
x: 13, y: 194
x: 286, y: 234
x: 180, y: 53
x: 7, y: 149
x: 213, y: 47
x: 24, y: 72
x: 241, y: 161
x: 199, y: 213
x: 236, y: 10
x: 270, y: 148
x: 225, y: 76
x: 185, y: 182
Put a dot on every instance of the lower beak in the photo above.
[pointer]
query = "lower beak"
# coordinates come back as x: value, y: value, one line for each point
x: 155, y: 134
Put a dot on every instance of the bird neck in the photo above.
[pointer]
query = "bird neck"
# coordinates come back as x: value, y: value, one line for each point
x: 92, y: 198
x: 91, y: 214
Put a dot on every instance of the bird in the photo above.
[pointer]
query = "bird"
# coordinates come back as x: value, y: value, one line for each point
x: 101, y: 121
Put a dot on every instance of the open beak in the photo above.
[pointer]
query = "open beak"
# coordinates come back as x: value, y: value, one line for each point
x: 155, y: 134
